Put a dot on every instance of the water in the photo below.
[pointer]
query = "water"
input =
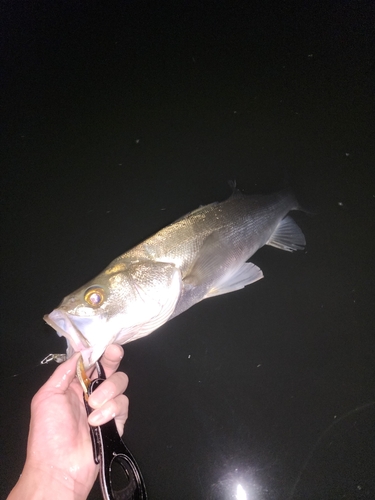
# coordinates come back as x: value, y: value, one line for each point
x: 116, y: 123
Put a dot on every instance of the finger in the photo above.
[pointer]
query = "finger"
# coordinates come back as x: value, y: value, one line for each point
x: 109, y: 389
x: 63, y: 376
x: 111, y: 358
x: 59, y: 381
x: 116, y: 408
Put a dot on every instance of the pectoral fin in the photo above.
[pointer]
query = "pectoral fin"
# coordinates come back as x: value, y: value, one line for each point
x: 287, y: 236
x: 246, y: 274
x: 218, y: 266
x: 212, y: 261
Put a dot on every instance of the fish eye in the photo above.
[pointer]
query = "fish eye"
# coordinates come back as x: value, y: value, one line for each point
x: 94, y: 296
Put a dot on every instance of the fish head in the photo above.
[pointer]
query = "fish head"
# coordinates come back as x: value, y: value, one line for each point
x: 128, y: 300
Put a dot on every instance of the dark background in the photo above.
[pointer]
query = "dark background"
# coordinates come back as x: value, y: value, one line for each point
x: 119, y: 117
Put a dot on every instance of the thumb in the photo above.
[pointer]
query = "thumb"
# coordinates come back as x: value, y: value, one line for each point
x: 63, y: 376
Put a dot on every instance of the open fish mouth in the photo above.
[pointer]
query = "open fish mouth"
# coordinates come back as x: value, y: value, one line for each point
x: 64, y: 327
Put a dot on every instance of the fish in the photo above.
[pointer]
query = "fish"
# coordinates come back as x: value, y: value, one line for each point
x: 201, y: 255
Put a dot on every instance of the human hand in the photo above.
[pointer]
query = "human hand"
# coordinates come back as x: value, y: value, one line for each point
x: 59, y: 460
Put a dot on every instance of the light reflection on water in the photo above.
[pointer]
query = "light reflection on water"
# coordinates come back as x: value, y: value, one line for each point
x: 241, y: 493
x: 236, y: 486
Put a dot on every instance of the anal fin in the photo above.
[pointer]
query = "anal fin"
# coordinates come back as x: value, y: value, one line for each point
x: 287, y: 236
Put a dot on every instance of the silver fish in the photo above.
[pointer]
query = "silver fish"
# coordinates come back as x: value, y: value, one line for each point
x: 201, y: 255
